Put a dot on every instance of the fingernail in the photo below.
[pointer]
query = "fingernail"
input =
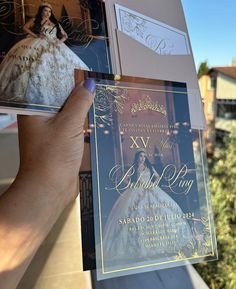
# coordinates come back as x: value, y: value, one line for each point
x: 90, y: 85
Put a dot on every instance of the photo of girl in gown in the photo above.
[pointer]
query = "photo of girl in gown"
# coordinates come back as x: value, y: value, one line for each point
x: 132, y: 231
x: 40, y: 68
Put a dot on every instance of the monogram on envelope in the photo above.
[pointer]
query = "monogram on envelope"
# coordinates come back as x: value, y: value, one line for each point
x: 158, y: 36
x: 152, y: 208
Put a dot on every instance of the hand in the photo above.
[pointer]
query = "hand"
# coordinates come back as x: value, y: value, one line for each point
x: 41, y: 36
x: 62, y: 40
x: 51, y: 151
x: 58, y: 41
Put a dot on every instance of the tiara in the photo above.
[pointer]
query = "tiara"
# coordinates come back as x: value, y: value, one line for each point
x: 46, y: 4
x: 141, y: 150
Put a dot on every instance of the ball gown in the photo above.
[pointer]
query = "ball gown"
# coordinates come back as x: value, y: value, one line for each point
x: 39, y: 70
x: 146, y: 224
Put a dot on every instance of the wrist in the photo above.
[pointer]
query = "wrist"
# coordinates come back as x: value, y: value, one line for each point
x: 28, y: 211
x: 45, y: 186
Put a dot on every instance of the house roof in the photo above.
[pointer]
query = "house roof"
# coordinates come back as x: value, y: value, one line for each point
x: 226, y: 70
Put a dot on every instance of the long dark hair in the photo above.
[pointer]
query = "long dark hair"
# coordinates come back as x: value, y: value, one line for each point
x: 147, y: 163
x: 38, y: 19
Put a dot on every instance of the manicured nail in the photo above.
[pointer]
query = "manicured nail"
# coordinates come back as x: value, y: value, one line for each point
x: 90, y: 85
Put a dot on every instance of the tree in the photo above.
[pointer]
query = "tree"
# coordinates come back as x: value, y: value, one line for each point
x: 221, y: 274
x: 203, y: 69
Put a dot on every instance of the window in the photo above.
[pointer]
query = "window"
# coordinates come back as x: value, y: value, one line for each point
x: 226, y: 109
x: 212, y: 82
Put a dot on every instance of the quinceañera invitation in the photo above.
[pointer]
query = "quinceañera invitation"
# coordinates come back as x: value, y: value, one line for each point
x: 41, y: 45
x: 152, y: 207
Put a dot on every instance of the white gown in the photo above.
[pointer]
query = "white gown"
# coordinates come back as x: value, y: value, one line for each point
x: 132, y: 232
x: 39, y: 70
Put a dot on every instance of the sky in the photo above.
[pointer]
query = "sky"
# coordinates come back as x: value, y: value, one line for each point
x: 212, y: 30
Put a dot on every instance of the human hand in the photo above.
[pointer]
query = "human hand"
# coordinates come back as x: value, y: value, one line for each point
x: 51, y: 149
x: 41, y: 36
x: 57, y: 41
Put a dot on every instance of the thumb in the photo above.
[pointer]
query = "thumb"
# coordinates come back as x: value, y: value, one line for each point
x: 78, y: 103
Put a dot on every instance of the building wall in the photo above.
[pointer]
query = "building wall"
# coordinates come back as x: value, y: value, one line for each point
x: 226, y: 87
x: 208, y: 96
x: 209, y: 99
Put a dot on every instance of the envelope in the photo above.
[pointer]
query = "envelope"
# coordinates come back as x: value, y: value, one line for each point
x: 129, y: 57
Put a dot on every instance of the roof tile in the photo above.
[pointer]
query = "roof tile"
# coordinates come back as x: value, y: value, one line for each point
x: 227, y: 70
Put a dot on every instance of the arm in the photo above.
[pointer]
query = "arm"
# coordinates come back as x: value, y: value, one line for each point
x: 155, y: 173
x: 50, y: 155
x: 64, y: 34
x: 28, y: 26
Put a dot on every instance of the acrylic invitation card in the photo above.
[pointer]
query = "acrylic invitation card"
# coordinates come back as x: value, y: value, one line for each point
x: 38, y: 55
x: 152, y: 208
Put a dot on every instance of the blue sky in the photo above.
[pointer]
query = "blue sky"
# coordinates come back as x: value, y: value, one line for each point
x: 212, y: 30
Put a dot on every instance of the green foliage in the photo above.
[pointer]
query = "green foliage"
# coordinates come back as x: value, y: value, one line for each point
x: 221, y: 274
x: 203, y: 69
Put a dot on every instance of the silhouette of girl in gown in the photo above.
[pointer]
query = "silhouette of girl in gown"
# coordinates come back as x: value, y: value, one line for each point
x: 145, y: 223
x: 40, y: 68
